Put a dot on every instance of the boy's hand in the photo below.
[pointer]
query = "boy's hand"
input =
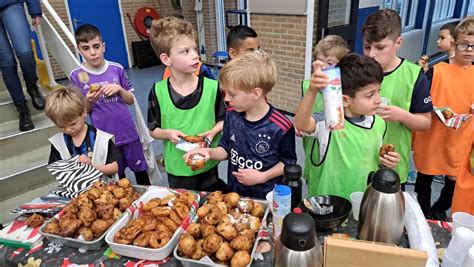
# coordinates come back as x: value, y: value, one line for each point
x: 319, y: 80
x: 198, y: 151
x: 92, y: 97
x: 390, y: 160
x: 111, y: 89
x: 391, y: 113
x: 174, y: 135
x: 250, y: 177
x: 209, y: 135
x: 85, y: 159
x: 298, y: 133
x: 423, y: 63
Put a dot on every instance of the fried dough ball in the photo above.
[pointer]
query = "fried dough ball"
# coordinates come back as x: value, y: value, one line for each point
x: 35, y: 220
x: 214, y: 216
x: 159, y: 239
x: 53, y: 227
x: 106, y: 211
x: 246, y: 206
x: 227, y: 231
x: 93, y: 193
x: 223, y: 207
x: 258, y: 210
x: 143, y: 239
x: 212, y: 243
x: 189, y: 197
x: 161, y: 211
x: 242, y: 226
x: 149, y: 223
x: 181, y: 209
x: 166, y: 200
x: 207, y: 229
x: 98, y: 184
x: 196, y: 163
x: 124, y: 183
x: 215, y: 197
x: 168, y: 223
x: 86, y: 233
x: 99, y: 227
x: 117, y: 214
x: 71, y: 207
x: 175, y: 217
x: 153, y: 203
x: 69, y: 215
x: 226, y: 219
x: 232, y: 199
x: 254, y: 223
x: 87, y: 216
x: 242, y: 242
x: 187, y: 245
x: 385, y: 149
x: 204, y: 210
x: 194, y: 229
x: 225, y: 252
x: 193, y: 139
x: 199, y: 253
x: 94, y: 88
x: 69, y: 226
x: 240, y: 259
x: 119, y: 192
x: 124, y: 203
x: 161, y: 227
x: 84, y: 201
x: 249, y: 233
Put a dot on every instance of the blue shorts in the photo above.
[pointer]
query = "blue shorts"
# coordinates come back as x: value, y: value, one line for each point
x: 132, y: 157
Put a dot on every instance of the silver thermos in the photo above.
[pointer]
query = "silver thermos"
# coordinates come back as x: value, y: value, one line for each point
x: 298, y: 244
x: 382, y: 210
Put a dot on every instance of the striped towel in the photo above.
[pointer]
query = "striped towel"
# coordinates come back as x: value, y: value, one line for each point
x: 74, y: 177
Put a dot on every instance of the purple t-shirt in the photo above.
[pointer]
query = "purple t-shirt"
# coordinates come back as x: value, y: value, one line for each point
x: 109, y: 114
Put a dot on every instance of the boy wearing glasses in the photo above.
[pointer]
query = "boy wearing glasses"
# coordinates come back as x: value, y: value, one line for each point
x: 441, y: 150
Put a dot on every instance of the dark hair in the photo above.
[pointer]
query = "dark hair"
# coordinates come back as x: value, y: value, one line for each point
x: 449, y: 27
x: 86, y: 32
x: 359, y: 71
x: 380, y: 24
x: 238, y: 34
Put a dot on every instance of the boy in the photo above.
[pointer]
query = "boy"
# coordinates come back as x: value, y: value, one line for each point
x: 65, y: 107
x: 107, y: 105
x: 184, y: 104
x: 441, y: 150
x: 240, y: 39
x: 329, y: 50
x: 343, y: 159
x: 445, y: 38
x: 404, y: 85
x: 257, y: 139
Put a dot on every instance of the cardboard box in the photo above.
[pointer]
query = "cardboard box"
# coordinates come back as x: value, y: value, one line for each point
x: 348, y: 252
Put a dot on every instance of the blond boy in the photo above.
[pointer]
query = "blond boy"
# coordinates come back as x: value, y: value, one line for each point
x: 65, y: 107
x: 257, y: 139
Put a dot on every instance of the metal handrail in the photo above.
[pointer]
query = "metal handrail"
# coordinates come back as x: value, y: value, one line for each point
x: 59, y: 21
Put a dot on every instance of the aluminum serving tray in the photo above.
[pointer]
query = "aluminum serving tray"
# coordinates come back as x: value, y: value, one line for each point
x: 82, y: 244
x: 152, y: 254
x: 186, y: 262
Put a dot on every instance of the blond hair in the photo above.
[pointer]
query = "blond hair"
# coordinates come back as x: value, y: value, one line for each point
x: 165, y: 32
x: 332, y: 45
x: 466, y: 27
x: 250, y: 70
x: 64, y: 105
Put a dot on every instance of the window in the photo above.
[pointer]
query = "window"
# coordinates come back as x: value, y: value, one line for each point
x: 407, y: 10
x: 443, y: 10
x: 471, y: 7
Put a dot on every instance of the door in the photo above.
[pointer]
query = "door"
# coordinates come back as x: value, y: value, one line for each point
x: 105, y: 15
x: 339, y: 18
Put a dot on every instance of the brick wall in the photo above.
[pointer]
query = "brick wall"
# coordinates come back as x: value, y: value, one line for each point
x: 337, y: 12
x: 283, y: 36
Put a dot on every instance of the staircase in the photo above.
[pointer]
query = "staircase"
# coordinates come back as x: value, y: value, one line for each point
x: 24, y: 155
